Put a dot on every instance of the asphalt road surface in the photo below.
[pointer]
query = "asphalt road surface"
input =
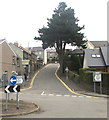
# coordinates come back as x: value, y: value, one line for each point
x: 55, y: 101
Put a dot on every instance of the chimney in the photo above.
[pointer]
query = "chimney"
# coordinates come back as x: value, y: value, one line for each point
x: 16, y: 44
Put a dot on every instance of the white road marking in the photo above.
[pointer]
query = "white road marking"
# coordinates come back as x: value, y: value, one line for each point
x: 42, y: 93
x: 51, y: 94
x: 58, y: 95
x: 80, y: 96
x: 74, y: 96
x: 67, y: 95
x: 88, y: 96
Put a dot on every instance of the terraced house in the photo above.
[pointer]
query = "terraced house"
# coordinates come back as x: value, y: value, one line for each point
x: 28, y: 59
x: 9, y: 60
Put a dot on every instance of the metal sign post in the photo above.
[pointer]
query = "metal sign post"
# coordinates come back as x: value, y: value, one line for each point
x: 17, y: 100
x: 94, y: 87
x: 8, y: 96
x: 66, y: 73
x: 97, y: 78
x: 6, y: 101
x: 11, y: 88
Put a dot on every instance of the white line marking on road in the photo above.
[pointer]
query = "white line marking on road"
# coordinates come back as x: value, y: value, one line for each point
x: 51, y: 94
x: 67, y: 95
x: 74, y: 96
x: 80, y: 96
x: 88, y: 96
x: 42, y: 93
x: 58, y: 95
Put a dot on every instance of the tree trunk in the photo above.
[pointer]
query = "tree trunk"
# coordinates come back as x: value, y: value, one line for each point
x: 61, y: 62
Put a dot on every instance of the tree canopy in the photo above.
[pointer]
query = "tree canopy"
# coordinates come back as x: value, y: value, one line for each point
x: 61, y: 29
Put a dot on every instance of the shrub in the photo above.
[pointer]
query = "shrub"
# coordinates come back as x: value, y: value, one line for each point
x: 73, y: 62
x: 73, y: 76
x: 87, y: 76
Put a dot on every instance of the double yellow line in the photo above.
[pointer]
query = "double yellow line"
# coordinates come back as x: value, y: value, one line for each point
x: 66, y: 86
x: 32, y: 81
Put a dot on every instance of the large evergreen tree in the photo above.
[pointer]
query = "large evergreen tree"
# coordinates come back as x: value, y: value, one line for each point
x: 62, y: 29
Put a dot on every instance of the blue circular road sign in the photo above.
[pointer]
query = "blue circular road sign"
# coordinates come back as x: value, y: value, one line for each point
x: 13, y: 80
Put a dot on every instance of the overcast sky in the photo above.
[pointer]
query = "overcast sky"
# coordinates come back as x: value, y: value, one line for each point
x: 21, y: 19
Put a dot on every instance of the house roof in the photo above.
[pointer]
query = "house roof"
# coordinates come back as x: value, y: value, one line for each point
x: 98, y: 44
x: 2, y: 40
x: 51, y: 50
x: 105, y: 52
x: 36, y: 49
x: 94, y: 57
x: 78, y: 51
x: 29, y: 52
x: 16, y: 50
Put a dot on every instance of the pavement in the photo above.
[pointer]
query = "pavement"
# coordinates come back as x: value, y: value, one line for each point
x: 80, y: 89
x: 26, y: 108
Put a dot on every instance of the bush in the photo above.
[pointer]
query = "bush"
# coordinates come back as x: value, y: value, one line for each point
x: 105, y: 79
x: 86, y: 76
x: 73, y: 62
x: 87, y: 69
x: 73, y: 76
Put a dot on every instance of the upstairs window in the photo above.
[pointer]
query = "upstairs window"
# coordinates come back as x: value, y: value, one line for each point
x: 96, y: 56
x: 18, y: 62
x: 93, y: 56
x: 13, y: 60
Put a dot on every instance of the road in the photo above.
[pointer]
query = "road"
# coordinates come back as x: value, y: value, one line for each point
x: 55, y: 101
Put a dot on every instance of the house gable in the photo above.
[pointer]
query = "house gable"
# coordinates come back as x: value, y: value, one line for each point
x: 94, y: 58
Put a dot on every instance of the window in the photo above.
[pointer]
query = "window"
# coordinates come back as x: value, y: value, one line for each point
x: 95, y: 56
x: 98, y: 56
x: 18, y: 62
x: 13, y: 60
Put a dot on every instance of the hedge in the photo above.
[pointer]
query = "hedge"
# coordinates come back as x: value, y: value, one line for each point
x: 73, y: 76
x: 86, y: 75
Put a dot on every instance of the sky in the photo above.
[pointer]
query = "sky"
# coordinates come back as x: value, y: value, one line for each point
x: 21, y: 19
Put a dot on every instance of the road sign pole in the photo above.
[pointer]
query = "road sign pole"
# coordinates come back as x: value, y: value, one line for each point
x: 17, y: 100
x: 6, y: 101
x: 66, y: 75
x: 100, y: 87
x: 67, y: 70
x: 8, y: 96
x: 94, y: 87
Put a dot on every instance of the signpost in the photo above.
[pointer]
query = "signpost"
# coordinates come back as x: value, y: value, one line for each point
x: 97, y: 78
x: 19, y: 80
x: 13, y: 80
x: 13, y: 88
x: 66, y: 73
